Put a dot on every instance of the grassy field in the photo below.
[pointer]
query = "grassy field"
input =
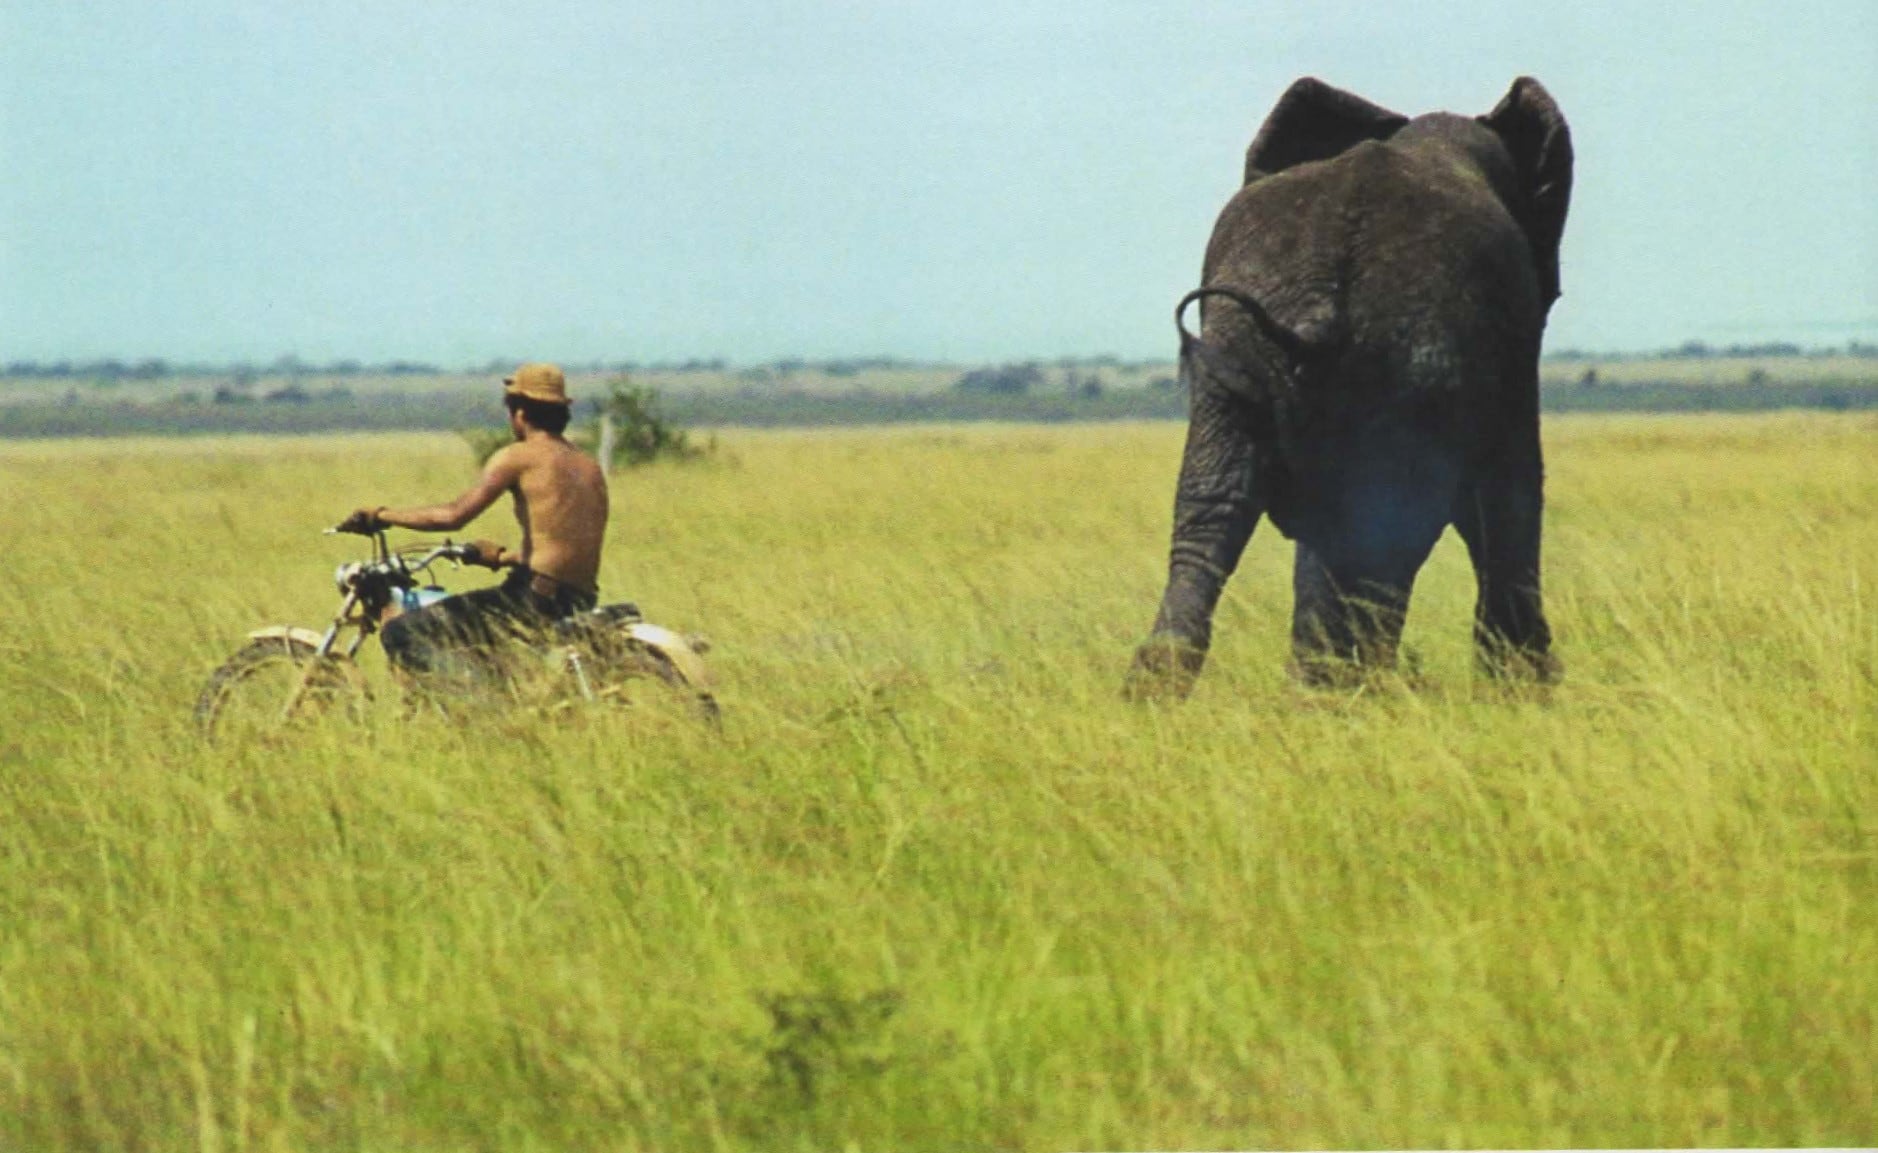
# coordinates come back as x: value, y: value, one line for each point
x: 933, y: 886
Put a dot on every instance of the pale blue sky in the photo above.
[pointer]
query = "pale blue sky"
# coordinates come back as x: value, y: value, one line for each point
x: 453, y: 182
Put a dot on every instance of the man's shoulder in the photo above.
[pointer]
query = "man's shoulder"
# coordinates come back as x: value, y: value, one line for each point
x: 530, y: 451
x: 545, y: 452
x: 568, y: 450
x: 506, y: 459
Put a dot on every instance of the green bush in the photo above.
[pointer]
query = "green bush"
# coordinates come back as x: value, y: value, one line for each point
x: 484, y: 442
x: 641, y: 433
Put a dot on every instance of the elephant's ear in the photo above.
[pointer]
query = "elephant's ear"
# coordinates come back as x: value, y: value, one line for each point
x: 1535, y: 134
x: 1313, y: 121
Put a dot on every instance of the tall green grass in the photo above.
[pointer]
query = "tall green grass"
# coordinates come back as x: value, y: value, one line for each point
x: 933, y: 885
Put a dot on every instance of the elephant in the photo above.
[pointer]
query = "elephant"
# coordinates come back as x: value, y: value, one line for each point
x: 1367, y: 374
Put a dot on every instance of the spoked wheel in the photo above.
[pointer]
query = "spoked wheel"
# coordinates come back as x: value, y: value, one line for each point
x: 271, y: 684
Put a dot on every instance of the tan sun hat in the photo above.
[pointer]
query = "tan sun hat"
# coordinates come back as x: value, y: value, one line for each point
x: 540, y: 382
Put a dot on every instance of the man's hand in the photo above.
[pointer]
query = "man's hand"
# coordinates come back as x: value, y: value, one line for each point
x: 364, y: 521
x: 487, y: 553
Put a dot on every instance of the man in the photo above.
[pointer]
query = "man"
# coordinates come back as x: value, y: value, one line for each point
x: 561, y: 503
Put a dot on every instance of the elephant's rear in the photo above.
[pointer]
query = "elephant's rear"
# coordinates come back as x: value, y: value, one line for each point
x: 1410, y: 287
x: 1416, y: 307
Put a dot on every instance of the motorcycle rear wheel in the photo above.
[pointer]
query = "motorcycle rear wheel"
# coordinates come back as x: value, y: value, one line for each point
x: 631, y: 661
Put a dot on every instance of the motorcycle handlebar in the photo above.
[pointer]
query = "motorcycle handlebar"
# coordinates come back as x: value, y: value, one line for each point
x: 462, y: 553
x: 444, y: 551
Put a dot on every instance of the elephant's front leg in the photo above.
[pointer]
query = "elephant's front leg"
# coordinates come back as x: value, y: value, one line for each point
x: 1216, y: 507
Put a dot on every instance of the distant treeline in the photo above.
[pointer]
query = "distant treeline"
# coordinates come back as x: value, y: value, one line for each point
x: 292, y: 367
x: 1700, y: 350
x: 1762, y: 396
x: 753, y: 408
x: 244, y: 373
x: 776, y: 410
x: 387, y: 412
x: 454, y: 411
x: 156, y: 368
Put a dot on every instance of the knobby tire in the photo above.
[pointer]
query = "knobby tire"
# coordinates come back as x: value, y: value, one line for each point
x: 259, y: 676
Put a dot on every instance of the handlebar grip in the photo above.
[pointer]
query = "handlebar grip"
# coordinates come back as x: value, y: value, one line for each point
x: 363, y: 522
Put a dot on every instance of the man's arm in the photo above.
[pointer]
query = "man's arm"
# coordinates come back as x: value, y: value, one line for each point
x: 499, y: 475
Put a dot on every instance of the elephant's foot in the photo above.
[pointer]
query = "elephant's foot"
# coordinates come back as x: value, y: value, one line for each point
x: 1165, y: 668
x: 1347, y: 662
x: 1508, y: 664
x: 1333, y: 672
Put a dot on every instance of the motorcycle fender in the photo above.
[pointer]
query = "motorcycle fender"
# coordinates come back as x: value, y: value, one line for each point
x: 282, y: 632
x: 675, y: 648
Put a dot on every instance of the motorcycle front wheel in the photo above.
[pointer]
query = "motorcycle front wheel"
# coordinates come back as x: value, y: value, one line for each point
x: 272, y: 683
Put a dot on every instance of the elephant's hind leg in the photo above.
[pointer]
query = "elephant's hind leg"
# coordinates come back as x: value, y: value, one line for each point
x: 1348, y: 613
x: 1499, y: 519
x: 1216, y: 506
x: 1378, y: 521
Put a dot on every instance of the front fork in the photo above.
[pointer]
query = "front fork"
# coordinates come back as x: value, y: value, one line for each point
x: 579, y: 668
x: 346, y: 617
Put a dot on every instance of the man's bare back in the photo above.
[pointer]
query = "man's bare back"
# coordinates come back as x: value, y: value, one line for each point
x: 560, y: 492
x: 560, y: 504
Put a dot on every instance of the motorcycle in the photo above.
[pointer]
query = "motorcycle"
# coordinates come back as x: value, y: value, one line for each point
x: 286, y: 673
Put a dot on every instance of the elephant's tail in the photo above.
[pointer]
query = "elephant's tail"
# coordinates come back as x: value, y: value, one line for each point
x: 1268, y: 385
x: 1288, y: 341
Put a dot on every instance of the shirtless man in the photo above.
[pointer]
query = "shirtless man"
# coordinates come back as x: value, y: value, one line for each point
x: 561, y: 503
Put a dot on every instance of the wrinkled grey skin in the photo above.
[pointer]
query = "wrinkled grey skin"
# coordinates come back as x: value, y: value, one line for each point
x: 1367, y: 373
